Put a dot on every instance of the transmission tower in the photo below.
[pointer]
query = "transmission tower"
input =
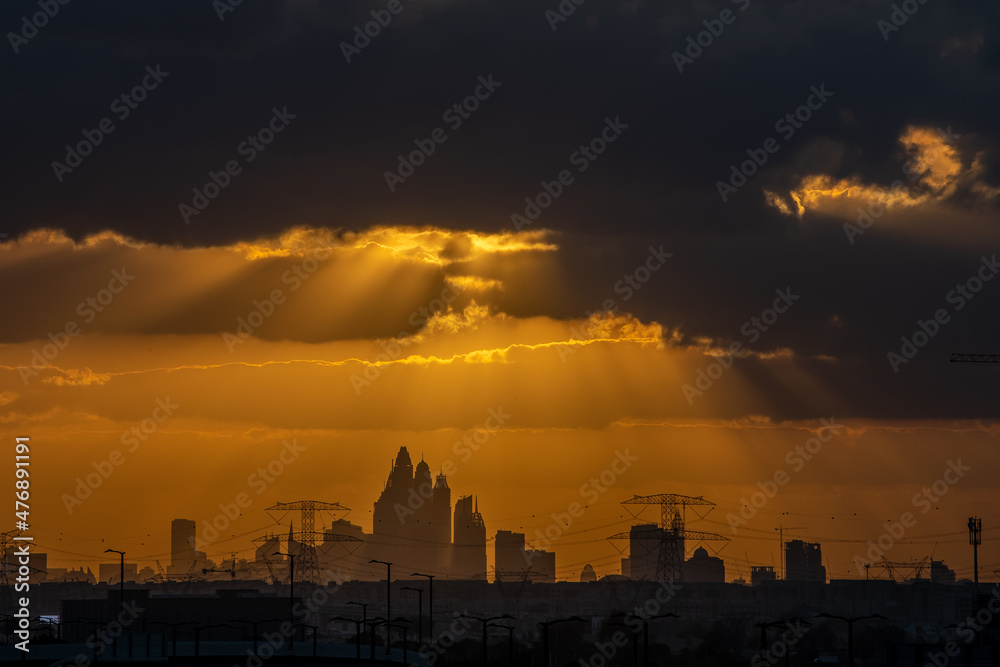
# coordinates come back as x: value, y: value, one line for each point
x: 906, y: 570
x: 512, y: 585
x: 669, y: 537
x: 308, y: 539
x: 232, y: 570
x: 6, y: 542
x: 6, y: 591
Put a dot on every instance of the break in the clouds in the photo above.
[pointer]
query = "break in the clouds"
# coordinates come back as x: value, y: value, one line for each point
x: 558, y: 250
x: 933, y: 172
x: 373, y: 314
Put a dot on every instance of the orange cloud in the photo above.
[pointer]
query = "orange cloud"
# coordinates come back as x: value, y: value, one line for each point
x: 935, y: 169
x: 308, y: 283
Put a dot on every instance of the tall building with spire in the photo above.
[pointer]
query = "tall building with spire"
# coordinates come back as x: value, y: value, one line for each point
x: 442, y: 511
x: 411, y: 522
x: 391, y: 508
x: 469, y: 548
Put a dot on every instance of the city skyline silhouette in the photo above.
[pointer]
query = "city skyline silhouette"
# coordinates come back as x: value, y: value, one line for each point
x: 572, y: 333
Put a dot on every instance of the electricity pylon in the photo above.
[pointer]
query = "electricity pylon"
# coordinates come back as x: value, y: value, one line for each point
x: 308, y: 539
x: 670, y: 535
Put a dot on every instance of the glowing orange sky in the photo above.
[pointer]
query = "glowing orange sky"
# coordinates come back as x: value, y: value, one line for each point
x: 349, y: 366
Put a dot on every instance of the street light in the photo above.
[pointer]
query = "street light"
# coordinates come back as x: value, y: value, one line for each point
x: 377, y: 621
x: 357, y: 629
x: 364, y: 613
x: 197, y: 635
x: 635, y: 642
x: 430, y: 603
x: 388, y: 599
x: 645, y: 632
x: 121, y: 573
x: 304, y: 626
x: 173, y: 643
x: 291, y: 583
x: 850, y: 620
x: 255, y: 624
x: 485, y: 622
x: 545, y: 635
x: 786, y: 623
x: 420, y: 611
x: 510, y: 641
x: 94, y: 625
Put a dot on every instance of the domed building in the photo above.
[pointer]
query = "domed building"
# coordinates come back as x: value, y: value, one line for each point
x: 704, y: 568
x: 588, y: 574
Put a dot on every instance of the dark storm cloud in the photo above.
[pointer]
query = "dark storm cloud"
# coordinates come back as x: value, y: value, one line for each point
x: 557, y: 87
x: 655, y: 184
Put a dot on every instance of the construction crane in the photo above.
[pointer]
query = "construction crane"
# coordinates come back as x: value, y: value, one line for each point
x: 668, y: 538
x: 231, y: 569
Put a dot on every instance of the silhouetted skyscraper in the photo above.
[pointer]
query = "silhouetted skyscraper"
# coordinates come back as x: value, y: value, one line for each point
x: 469, y: 549
x: 543, y: 565
x: 266, y: 549
x: 508, y: 555
x: 513, y: 561
x: 761, y: 573
x: 412, y: 517
x: 804, y: 561
x: 441, y: 522
x: 391, y: 508
x: 644, y: 550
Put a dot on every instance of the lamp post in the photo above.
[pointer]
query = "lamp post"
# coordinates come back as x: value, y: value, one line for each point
x: 430, y: 603
x: 510, y: 641
x: 374, y: 623
x: 291, y: 583
x: 485, y: 622
x: 420, y: 611
x: 786, y: 623
x: 255, y: 624
x: 357, y: 630
x: 304, y: 626
x: 364, y: 613
x: 388, y: 599
x: 173, y: 643
x: 97, y: 649
x: 121, y: 574
x: 197, y: 635
x: 635, y: 641
x: 850, y: 620
x: 645, y: 632
x: 545, y: 635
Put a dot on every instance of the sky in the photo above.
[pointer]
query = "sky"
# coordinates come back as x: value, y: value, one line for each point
x: 728, y: 243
